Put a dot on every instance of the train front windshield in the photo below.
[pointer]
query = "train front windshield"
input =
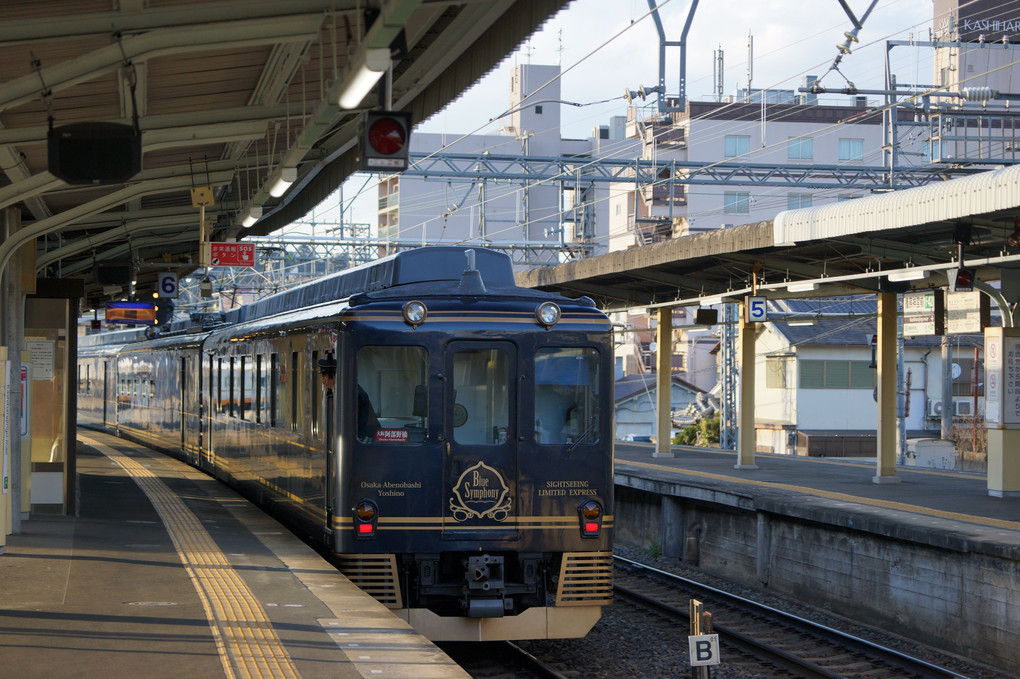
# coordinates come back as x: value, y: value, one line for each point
x: 392, y: 395
x: 566, y: 396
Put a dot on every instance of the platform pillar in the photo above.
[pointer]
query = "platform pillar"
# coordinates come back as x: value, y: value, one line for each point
x: 745, y: 415
x: 5, y: 450
x: 885, y: 358
x: 664, y: 383
x: 1002, y: 410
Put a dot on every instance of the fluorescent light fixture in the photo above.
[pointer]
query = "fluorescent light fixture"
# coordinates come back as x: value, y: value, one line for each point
x: 363, y: 75
x: 802, y: 287
x: 281, y: 180
x: 253, y: 215
x: 908, y: 275
x: 710, y: 301
x: 800, y: 321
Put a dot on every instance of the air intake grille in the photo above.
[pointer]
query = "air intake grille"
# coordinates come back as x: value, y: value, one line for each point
x: 586, y: 579
x: 375, y: 574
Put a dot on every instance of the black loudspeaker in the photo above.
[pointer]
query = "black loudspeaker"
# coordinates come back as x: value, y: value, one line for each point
x: 113, y: 274
x: 706, y: 316
x: 94, y: 153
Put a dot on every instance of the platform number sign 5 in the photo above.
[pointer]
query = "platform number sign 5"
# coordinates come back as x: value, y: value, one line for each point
x: 755, y: 310
x: 167, y: 284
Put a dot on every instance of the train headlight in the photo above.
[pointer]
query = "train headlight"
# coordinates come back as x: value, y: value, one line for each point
x: 366, y: 514
x: 589, y: 513
x: 548, y: 314
x: 415, y: 313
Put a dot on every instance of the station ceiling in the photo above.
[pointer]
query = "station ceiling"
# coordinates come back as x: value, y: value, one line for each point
x: 225, y: 93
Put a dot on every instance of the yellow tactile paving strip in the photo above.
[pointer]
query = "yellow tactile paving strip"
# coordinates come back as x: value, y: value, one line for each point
x: 248, y: 645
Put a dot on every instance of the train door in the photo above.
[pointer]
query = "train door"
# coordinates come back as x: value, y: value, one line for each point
x: 211, y: 407
x: 480, y: 426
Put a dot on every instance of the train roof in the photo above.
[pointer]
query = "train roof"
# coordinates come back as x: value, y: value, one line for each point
x: 439, y: 268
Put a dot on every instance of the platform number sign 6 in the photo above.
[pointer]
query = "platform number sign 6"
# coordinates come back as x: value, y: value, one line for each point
x: 755, y: 310
x: 167, y: 284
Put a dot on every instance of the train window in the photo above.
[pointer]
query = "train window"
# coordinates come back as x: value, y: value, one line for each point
x: 212, y: 384
x: 277, y: 378
x: 297, y: 366
x: 392, y: 403
x: 245, y: 383
x: 315, y: 391
x: 221, y: 405
x: 481, y: 402
x: 233, y: 389
x: 566, y: 396
x: 260, y: 387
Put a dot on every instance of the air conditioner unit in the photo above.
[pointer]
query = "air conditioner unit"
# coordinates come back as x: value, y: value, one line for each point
x: 934, y: 408
x: 963, y: 408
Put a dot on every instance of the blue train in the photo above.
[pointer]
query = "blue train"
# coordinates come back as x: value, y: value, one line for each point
x: 443, y: 433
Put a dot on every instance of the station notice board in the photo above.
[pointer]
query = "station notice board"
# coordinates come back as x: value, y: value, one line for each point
x: 1002, y: 378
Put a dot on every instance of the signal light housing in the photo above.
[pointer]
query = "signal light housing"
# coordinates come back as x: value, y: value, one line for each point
x: 366, y: 514
x: 589, y: 514
x: 385, y: 141
x: 961, y: 280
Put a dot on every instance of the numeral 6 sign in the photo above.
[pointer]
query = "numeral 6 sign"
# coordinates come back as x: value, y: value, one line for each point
x: 167, y: 284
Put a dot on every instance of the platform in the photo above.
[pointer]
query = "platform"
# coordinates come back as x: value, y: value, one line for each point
x: 905, y: 557
x: 956, y: 496
x: 168, y: 573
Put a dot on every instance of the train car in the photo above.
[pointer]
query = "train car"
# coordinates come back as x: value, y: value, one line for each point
x: 445, y: 434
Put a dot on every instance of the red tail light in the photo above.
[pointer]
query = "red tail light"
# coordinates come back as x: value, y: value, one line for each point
x: 366, y: 514
x: 590, y: 515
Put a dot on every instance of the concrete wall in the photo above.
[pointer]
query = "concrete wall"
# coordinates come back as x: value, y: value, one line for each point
x: 948, y: 584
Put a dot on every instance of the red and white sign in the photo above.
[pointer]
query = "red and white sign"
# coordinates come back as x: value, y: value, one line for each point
x: 391, y: 436
x: 232, y: 254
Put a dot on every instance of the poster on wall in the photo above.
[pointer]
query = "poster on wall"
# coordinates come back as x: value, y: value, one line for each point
x: 42, y: 352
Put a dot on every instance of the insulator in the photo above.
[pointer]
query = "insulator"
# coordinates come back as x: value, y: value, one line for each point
x: 978, y: 93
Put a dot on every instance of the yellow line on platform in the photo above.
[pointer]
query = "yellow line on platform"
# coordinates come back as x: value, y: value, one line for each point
x: 843, y: 497
x: 243, y: 633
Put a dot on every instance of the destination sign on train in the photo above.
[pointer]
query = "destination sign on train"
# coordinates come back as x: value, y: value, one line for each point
x: 232, y: 254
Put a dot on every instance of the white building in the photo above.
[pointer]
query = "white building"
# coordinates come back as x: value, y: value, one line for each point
x: 416, y: 210
x: 815, y: 387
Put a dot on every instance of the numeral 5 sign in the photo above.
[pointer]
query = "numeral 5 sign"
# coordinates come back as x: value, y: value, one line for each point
x: 755, y: 310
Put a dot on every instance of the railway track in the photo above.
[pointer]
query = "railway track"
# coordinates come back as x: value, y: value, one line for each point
x: 752, y: 633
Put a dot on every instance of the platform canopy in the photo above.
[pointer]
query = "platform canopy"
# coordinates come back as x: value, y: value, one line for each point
x: 231, y: 95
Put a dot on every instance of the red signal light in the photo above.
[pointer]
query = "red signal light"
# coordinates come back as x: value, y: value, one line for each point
x: 385, y: 141
x: 961, y: 280
x: 365, y: 528
x: 591, y: 527
x: 387, y: 136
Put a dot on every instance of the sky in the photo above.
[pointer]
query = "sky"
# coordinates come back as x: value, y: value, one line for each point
x: 606, y: 46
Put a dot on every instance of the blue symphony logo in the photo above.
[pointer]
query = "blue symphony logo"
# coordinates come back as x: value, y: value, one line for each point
x: 480, y: 493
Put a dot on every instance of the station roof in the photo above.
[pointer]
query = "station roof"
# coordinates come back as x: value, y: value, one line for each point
x: 226, y: 93
x: 844, y: 248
